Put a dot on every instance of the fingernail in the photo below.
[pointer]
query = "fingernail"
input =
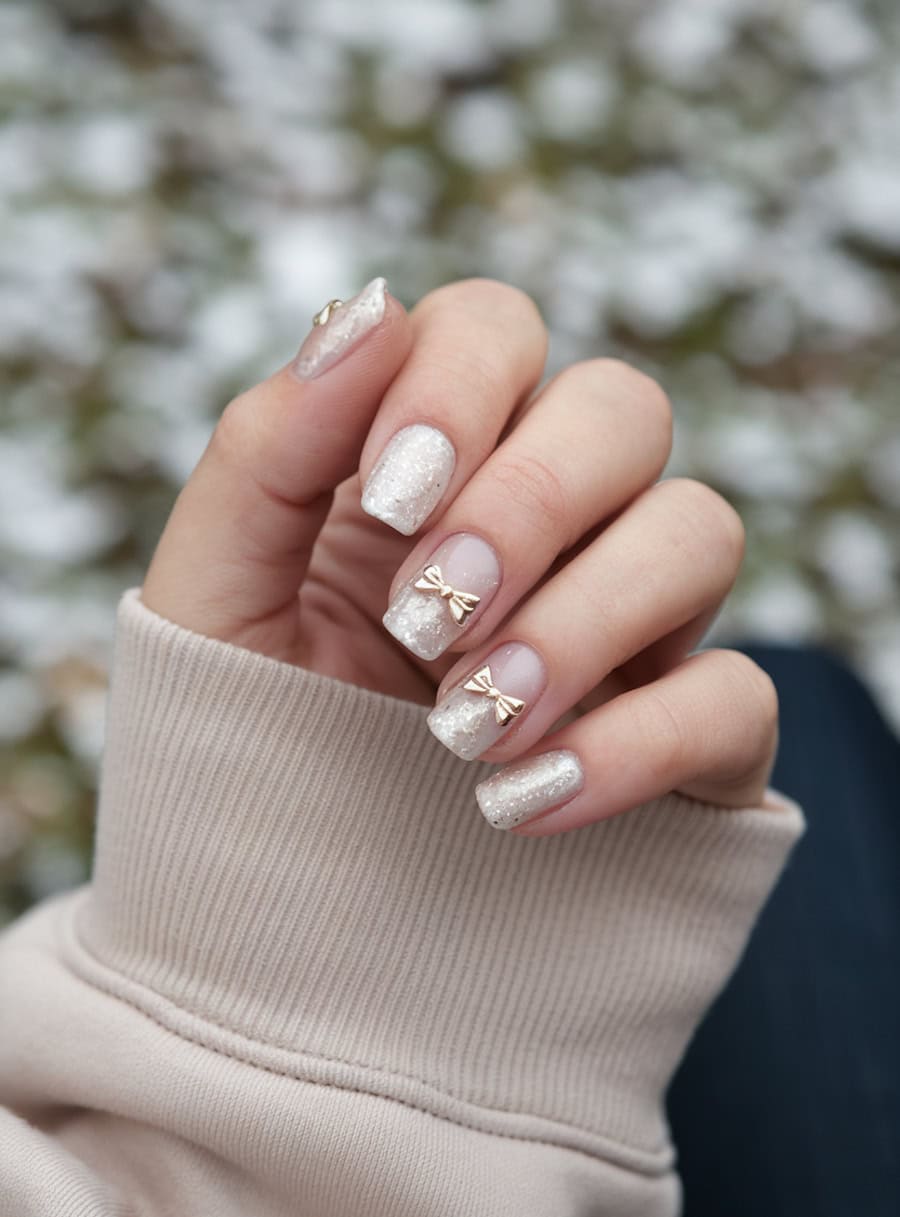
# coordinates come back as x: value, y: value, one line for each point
x: 525, y: 789
x: 489, y: 701
x: 445, y: 595
x: 409, y: 478
x: 347, y: 323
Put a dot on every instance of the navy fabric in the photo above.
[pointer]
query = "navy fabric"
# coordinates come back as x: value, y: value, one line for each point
x: 788, y: 1101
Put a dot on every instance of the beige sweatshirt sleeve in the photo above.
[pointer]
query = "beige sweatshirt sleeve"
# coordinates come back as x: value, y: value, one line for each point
x: 307, y: 978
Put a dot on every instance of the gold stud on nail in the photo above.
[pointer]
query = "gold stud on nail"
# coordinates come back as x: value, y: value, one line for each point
x: 460, y: 603
x: 324, y: 314
x: 505, y: 707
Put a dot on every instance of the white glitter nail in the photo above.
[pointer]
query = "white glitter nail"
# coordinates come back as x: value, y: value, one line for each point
x: 465, y: 724
x: 444, y: 596
x: 327, y: 344
x: 409, y: 478
x: 524, y: 789
x: 421, y: 623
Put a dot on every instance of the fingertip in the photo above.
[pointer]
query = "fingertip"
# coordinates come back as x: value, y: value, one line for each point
x: 369, y: 326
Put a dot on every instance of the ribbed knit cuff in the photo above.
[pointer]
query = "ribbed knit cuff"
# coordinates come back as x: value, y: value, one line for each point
x: 295, y: 864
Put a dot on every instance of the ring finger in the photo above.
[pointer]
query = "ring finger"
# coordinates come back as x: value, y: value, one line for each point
x: 670, y: 557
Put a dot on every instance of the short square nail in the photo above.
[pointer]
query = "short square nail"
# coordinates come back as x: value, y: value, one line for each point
x: 410, y: 478
x: 444, y: 596
x: 489, y: 700
x: 525, y: 789
x: 337, y: 330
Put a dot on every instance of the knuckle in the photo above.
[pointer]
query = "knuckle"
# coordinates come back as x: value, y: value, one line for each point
x: 501, y: 336
x: 641, y: 393
x: 505, y: 296
x: 753, y: 690
x: 483, y: 295
x: 710, y: 516
x: 496, y: 296
x: 245, y: 443
x: 642, y: 402
x: 531, y: 484
x: 466, y: 375
x: 759, y: 688
x: 236, y: 434
x: 662, y: 733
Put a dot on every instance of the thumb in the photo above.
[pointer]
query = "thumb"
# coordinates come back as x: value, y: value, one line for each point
x: 238, y: 541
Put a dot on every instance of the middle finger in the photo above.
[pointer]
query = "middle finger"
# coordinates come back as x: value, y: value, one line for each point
x: 597, y: 435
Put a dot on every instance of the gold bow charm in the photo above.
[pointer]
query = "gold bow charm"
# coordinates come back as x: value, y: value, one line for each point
x: 506, y: 707
x: 461, y: 603
x: 323, y: 316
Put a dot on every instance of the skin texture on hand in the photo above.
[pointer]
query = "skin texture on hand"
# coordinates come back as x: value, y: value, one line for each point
x: 402, y: 508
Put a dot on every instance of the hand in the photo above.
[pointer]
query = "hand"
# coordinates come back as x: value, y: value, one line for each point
x: 556, y: 588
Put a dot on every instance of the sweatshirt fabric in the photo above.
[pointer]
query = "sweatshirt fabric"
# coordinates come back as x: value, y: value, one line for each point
x: 308, y: 979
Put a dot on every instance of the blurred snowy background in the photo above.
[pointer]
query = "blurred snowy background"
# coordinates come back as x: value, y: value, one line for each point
x: 710, y: 189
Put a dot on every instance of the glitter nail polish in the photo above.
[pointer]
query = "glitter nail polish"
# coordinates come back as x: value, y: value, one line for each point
x: 444, y: 596
x: 327, y: 344
x: 409, y: 477
x: 489, y: 701
x: 524, y: 789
